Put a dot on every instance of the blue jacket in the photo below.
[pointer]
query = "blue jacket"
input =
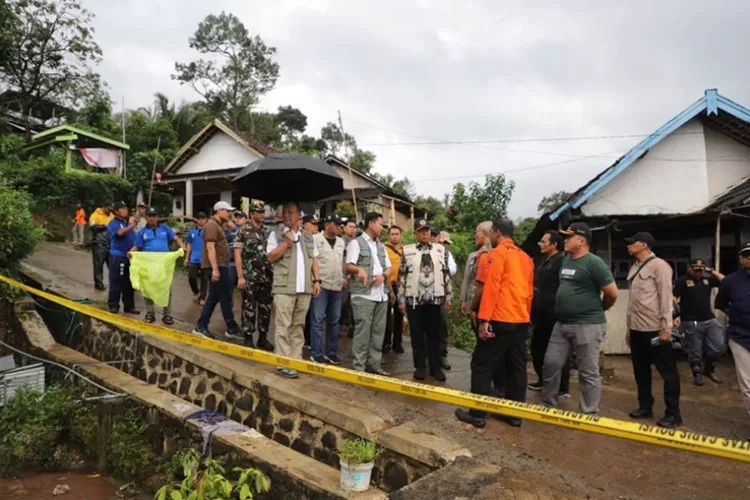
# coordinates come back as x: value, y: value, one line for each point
x: 119, y: 246
x: 195, y: 238
x: 155, y: 239
x: 734, y: 295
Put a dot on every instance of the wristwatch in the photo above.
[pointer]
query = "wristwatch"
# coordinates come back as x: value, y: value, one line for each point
x: 317, y: 281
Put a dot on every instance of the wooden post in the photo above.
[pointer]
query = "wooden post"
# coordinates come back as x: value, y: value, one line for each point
x: 392, y: 218
x: 349, y: 167
x: 717, y: 258
x: 412, y: 216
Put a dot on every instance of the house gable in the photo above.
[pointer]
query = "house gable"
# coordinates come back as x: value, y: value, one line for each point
x: 220, y: 152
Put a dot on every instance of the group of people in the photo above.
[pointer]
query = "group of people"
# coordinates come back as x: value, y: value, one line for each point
x: 308, y: 280
x: 563, y: 301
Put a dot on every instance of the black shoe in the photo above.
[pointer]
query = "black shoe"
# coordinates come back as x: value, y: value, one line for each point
x: 149, y: 318
x: 235, y: 334
x: 512, y: 421
x: 466, y: 417
x: 536, y: 386
x: 398, y: 349
x: 132, y: 310
x: 714, y: 377
x: 386, y: 349
x: 669, y: 421
x: 249, y: 342
x: 378, y: 371
x: 419, y: 374
x: 264, y: 344
x: 437, y: 374
x: 640, y: 413
x: 100, y: 287
x: 202, y: 332
x: 444, y: 364
x: 333, y: 359
x: 114, y: 311
x: 698, y: 378
x: 319, y: 359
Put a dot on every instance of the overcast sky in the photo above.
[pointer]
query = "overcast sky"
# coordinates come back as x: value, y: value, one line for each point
x: 406, y: 71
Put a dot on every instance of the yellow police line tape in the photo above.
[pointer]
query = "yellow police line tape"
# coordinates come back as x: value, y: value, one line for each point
x: 673, y: 438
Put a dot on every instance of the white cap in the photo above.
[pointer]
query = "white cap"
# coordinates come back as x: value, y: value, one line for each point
x: 222, y: 205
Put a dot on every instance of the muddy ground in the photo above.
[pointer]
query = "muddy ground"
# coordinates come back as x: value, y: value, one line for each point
x: 537, y: 460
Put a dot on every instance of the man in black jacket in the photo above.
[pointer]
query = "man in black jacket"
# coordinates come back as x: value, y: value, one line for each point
x: 546, y: 282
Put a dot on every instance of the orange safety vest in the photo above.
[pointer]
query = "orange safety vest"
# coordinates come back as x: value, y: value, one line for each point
x: 80, y: 217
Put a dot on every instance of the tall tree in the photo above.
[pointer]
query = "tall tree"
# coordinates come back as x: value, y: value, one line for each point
x: 239, y: 68
x: 476, y: 203
x: 552, y: 201
x: 337, y: 141
x: 52, y: 49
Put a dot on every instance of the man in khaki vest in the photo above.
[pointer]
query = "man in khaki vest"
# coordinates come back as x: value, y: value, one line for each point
x: 327, y: 305
x: 296, y: 279
x: 368, y: 263
x: 425, y: 287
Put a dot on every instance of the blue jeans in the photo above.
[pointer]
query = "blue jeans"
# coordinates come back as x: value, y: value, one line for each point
x: 326, y: 306
x: 220, y: 292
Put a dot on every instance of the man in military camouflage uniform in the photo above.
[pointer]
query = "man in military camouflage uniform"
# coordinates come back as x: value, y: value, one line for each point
x: 254, y: 277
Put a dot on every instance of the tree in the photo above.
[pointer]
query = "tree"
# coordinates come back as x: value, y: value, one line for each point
x: 52, y: 47
x: 523, y: 228
x: 337, y: 141
x: 345, y: 208
x: 247, y: 70
x: 552, y: 201
x: 6, y: 23
x: 476, y: 203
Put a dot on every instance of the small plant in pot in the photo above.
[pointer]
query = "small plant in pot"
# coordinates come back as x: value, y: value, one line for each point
x: 357, y: 458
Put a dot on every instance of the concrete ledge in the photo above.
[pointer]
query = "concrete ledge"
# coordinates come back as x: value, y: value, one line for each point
x: 421, y: 444
x: 463, y: 479
x: 315, y: 478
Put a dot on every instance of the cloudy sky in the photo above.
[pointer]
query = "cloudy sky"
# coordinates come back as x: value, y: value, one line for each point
x: 480, y: 73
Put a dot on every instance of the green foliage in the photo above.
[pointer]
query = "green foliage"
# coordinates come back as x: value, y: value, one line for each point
x: 209, y: 481
x: 127, y: 452
x: 552, y: 201
x: 475, y: 203
x: 31, y: 430
x: 363, y: 161
x: 238, y: 69
x: 358, y: 451
x: 345, y: 208
x: 19, y: 234
x: 523, y: 228
x: 51, y: 47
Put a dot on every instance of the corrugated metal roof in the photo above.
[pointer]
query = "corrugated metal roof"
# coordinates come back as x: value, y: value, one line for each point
x: 31, y: 376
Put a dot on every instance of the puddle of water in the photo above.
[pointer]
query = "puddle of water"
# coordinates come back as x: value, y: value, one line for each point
x: 83, y: 486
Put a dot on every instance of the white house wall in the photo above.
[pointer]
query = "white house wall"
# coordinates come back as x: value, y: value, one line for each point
x: 656, y: 183
x: 219, y: 153
x: 728, y: 162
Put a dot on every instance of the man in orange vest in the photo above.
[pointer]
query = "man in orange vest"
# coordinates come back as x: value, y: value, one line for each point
x: 79, y: 222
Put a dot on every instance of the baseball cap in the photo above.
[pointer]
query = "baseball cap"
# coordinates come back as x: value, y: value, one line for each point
x: 332, y: 218
x: 434, y: 229
x: 239, y: 215
x: 257, y: 206
x: 445, y: 237
x: 120, y: 204
x: 421, y: 224
x: 152, y: 211
x: 309, y: 218
x: 223, y: 205
x: 201, y: 215
x: 579, y: 228
x: 643, y: 237
x: 745, y: 250
x: 698, y: 264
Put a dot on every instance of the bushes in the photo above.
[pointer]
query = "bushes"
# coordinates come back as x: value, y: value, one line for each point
x: 19, y: 234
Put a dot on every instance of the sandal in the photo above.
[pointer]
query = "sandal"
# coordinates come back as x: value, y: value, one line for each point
x: 149, y: 318
x: 168, y: 320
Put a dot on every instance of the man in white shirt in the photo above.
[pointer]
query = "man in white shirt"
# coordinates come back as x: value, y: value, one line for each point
x: 296, y: 279
x: 369, y: 267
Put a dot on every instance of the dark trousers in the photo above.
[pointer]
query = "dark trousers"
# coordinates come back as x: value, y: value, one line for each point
x: 100, y: 256
x: 644, y: 355
x: 424, y: 326
x: 543, y: 326
x: 219, y: 293
x: 119, y: 284
x: 198, y: 279
x: 507, y: 347
x: 394, y: 324
x: 308, y: 326
x: 498, y: 376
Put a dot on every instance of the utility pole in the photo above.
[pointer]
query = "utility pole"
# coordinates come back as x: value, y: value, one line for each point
x: 349, y: 165
x: 153, y: 172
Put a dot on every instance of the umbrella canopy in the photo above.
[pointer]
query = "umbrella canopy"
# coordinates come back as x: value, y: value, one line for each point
x: 284, y: 177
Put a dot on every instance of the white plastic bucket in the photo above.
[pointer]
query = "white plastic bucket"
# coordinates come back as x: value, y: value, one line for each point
x: 356, y: 477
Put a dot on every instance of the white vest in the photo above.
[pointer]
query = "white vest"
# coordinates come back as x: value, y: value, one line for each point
x: 330, y: 262
x: 412, y: 262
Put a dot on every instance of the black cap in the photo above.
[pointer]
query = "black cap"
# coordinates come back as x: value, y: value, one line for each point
x: 434, y: 230
x: 240, y: 215
x: 152, y: 211
x: 579, y: 228
x: 698, y: 264
x: 309, y: 218
x: 120, y: 204
x: 421, y: 224
x: 201, y: 215
x: 643, y: 237
x: 745, y: 250
x: 333, y: 218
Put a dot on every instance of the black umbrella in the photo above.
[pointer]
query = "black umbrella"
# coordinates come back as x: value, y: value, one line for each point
x: 284, y: 177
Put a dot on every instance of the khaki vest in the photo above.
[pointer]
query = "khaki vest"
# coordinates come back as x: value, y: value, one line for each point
x: 331, y: 262
x: 473, y: 273
x: 413, y: 267
x: 285, y: 269
x: 366, y: 262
